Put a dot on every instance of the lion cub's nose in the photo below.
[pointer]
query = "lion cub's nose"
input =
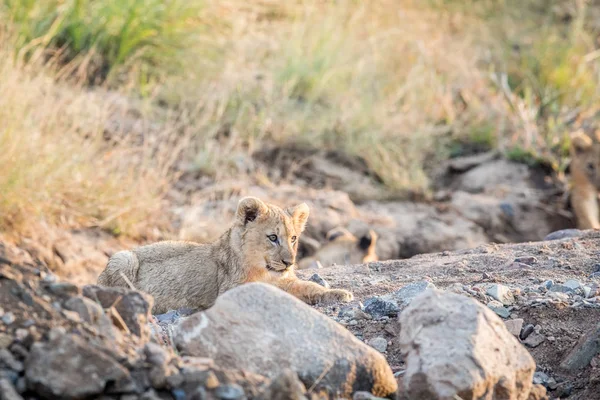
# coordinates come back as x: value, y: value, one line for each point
x: 287, y: 263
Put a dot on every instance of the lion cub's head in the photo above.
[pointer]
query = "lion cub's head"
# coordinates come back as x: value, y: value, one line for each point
x: 343, y: 248
x: 269, y: 234
x: 585, y: 154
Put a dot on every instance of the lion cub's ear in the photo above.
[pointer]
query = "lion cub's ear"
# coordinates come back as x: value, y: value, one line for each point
x: 299, y: 215
x: 581, y: 142
x: 250, y: 208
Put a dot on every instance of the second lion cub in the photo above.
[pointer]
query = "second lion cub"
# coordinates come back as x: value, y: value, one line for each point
x: 260, y: 246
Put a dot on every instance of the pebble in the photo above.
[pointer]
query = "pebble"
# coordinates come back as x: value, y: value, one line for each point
x: 501, y: 293
x: 499, y: 309
x: 534, y: 340
x: 407, y: 293
x: 595, y: 275
x: 63, y: 289
x: 378, y: 307
x: 230, y: 391
x: 560, y: 288
x: 573, y: 284
x: 316, y: 278
x: 529, y: 260
x: 351, y: 313
x: 353, y: 322
x: 548, y: 284
x: 527, y: 330
x: 378, y: 343
x: 8, y: 318
x: 514, y: 326
x: 365, y: 396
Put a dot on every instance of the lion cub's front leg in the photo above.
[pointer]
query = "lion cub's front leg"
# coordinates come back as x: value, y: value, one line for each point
x: 585, y: 204
x: 312, y: 293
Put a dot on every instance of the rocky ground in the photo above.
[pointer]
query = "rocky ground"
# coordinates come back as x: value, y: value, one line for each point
x: 497, y: 306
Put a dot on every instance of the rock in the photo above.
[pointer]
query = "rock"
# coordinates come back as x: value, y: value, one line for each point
x: 572, y: 284
x: 485, y: 357
x: 8, y: 318
x: 365, y: 396
x: 93, y: 314
x: 560, y: 288
x: 534, y: 340
x: 501, y: 293
x: 514, y: 326
x: 463, y: 164
x: 286, y: 386
x: 563, y: 234
x: 5, y: 340
x: 8, y: 391
x: 230, y: 391
x: 277, y: 331
x: 584, y: 351
x: 378, y: 343
x: 69, y: 367
x: 353, y: 313
x: 499, y: 309
x: 9, y: 361
x: 316, y: 278
x: 548, y: 284
x: 65, y: 289
x: 133, y: 307
x: 407, y: 293
x: 540, y: 378
x: 378, y: 307
x: 528, y: 260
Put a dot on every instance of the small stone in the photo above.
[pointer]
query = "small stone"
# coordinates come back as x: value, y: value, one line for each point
x: 21, y: 334
x: 8, y: 360
x: 584, y: 351
x: 499, y: 309
x: 8, y: 318
x: 563, y: 234
x: 529, y: 260
x: 407, y: 293
x: 514, y: 326
x: 560, y: 288
x: 534, y: 340
x: 353, y: 322
x: 179, y: 394
x: 63, y: 289
x: 316, y: 278
x: 365, y: 396
x: 540, y: 378
x: 587, y: 291
x: 351, y: 313
x: 8, y: 391
x: 572, y: 284
x: 501, y: 293
x: 548, y: 284
x: 563, y: 389
x: 230, y: 391
x: 378, y: 307
x: 5, y: 340
x: 378, y: 343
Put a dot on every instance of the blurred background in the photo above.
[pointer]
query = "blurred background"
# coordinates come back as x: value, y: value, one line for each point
x: 438, y: 124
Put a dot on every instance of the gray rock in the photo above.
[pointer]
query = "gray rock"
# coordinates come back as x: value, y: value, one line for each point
x: 231, y: 391
x: 8, y: 391
x: 501, y: 293
x: 584, y: 351
x: 498, y: 308
x: 9, y: 361
x: 534, y: 339
x: 548, y: 284
x: 63, y: 289
x: 68, y: 367
x: 277, y: 331
x: 563, y: 234
x: 514, y: 326
x: 528, y: 260
x: 485, y: 358
x: 407, y: 293
x: 378, y: 343
x: 353, y: 313
x: 133, y: 306
x: 316, y: 278
x: 93, y: 314
x: 8, y: 318
x: 539, y: 378
x: 379, y: 307
x: 572, y: 284
x: 527, y: 330
x: 560, y: 288
x: 365, y: 396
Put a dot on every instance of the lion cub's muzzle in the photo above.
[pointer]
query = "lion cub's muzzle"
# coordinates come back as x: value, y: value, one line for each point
x: 280, y: 266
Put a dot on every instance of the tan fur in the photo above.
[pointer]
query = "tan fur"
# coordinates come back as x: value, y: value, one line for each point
x: 192, y: 275
x: 343, y: 248
x: 585, y: 172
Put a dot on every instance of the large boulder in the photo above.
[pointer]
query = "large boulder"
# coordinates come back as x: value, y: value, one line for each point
x: 457, y: 348
x: 259, y: 328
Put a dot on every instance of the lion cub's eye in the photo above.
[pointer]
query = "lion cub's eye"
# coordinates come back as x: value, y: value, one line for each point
x: 294, y: 238
x: 273, y: 238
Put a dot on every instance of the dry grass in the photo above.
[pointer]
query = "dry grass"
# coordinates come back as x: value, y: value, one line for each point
x: 403, y: 84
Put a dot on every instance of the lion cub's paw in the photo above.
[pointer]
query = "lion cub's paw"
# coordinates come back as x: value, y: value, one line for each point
x: 336, y: 296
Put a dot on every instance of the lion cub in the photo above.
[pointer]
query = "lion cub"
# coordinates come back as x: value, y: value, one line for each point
x: 260, y: 246
x: 585, y: 172
x: 343, y: 248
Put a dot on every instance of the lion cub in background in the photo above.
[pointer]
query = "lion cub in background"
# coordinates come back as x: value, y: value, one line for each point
x: 260, y: 246
x: 585, y: 172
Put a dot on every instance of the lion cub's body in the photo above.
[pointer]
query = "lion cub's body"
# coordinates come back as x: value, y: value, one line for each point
x: 260, y: 246
x: 585, y: 173
x: 343, y: 248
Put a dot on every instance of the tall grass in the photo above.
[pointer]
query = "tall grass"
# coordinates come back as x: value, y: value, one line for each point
x: 146, y: 37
